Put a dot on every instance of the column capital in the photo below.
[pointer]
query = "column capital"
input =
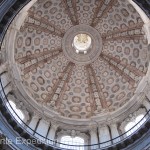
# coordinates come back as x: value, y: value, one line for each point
x: 145, y: 100
x: 26, y: 114
x: 146, y: 104
x: 93, y: 129
x: 45, y: 121
x: 102, y: 126
x: 113, y: 124
x: 36, y: 115
x: 4, y: 67
x: 11, y: 97
x: 54, y: 125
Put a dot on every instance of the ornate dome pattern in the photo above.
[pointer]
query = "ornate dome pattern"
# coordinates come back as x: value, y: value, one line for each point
x: 77, y: 90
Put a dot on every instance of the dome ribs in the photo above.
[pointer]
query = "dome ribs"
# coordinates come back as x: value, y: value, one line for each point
x: 125, y: 66
x: 125, y: 29
x: 98, y: 14
x: 128, y: 33
x: 119, y: 69
x: 97, y: 98
x: 55, y: 97
x: 38, y: 59
x: 40, y: 23
x: 90, y: 87
x: 35, y: 56
x: 71, y: 9
x: 96, y: 11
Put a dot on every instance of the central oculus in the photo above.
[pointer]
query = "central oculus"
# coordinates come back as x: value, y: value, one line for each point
x: 81, y: 43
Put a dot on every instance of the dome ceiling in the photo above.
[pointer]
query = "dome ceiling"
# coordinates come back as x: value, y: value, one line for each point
x: 75, y: 89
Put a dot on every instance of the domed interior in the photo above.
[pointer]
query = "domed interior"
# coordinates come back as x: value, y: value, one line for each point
x: 68, y: 70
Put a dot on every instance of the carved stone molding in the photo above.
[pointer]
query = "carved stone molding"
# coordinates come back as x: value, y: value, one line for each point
x: 93, y: 129
x: 54, y: 125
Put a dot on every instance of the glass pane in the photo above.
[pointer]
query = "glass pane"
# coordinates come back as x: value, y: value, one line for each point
x: 128, y: 127
x: 72, y: 141
x: 138, y: 118
x: 131, y: 124
x: 12, y: 107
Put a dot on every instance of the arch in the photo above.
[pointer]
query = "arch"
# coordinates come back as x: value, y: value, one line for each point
x: 72, y: 141
x: 133, y: 125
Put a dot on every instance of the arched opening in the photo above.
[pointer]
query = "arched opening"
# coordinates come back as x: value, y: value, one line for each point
x: 17, y: 113
x: 68, y: 140
x: 138, y: 121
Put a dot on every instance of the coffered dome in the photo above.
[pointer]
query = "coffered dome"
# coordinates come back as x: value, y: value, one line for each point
x: 96, y: 75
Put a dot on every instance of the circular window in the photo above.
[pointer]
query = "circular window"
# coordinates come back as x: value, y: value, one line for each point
x: 82, y: 43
